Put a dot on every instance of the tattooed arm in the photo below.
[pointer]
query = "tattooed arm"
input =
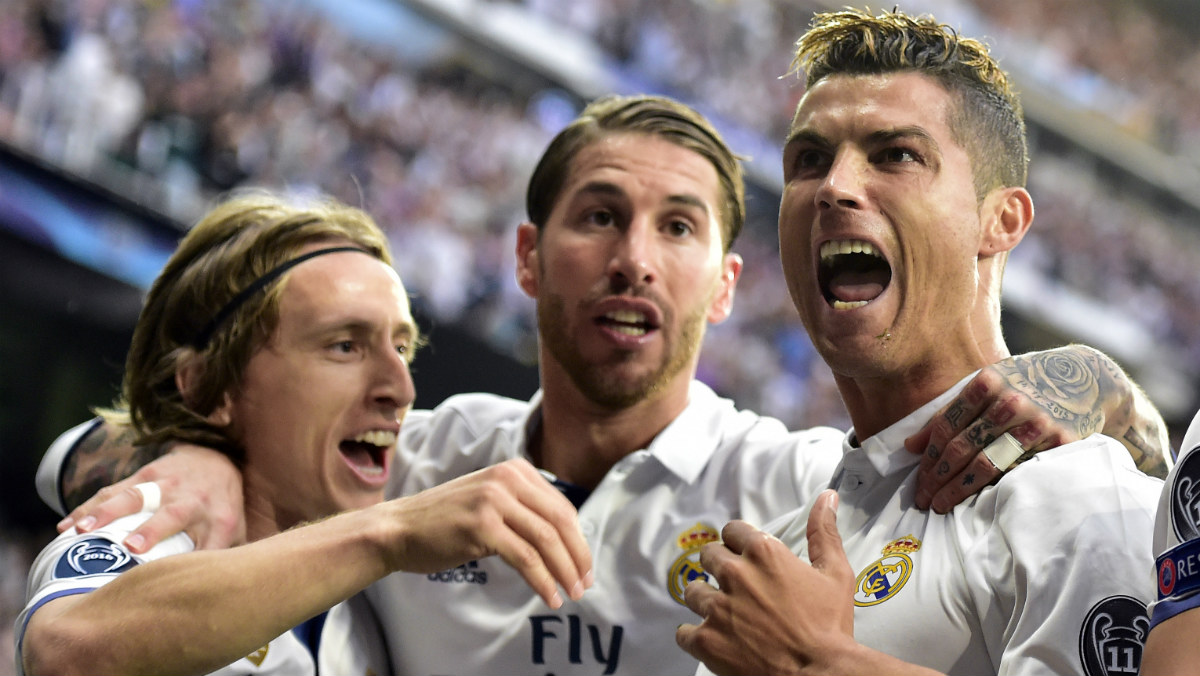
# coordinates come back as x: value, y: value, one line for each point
x: 1043, y: 399
x: 101, y: 458
x: 98, y: 477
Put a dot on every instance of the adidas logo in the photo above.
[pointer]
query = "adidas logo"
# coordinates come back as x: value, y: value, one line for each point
x: 468, y: 573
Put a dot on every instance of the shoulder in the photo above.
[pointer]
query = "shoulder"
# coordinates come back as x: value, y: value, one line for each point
x: 1179, y: 506
x: 753, y: 431
x: 1084, y: 492
x: 1079, y: 469
x: 472, y: 414
x: 74, y: 558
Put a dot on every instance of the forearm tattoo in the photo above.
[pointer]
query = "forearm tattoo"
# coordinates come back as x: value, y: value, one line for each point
x: 101, y: 460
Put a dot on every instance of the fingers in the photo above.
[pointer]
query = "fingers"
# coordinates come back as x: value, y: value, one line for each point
x: 737, y: 536
x: 701, y: 641
x: 951, y: 441
x: 108, y: 504
x: 825, y: 549
x: 200, y: 493
x: 166, y: 521
x: 978, y: 473
x: 511, y: 511
x: 546, y: 545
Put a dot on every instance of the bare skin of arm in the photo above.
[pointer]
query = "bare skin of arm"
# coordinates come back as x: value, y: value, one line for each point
x: 186, y: 613
x: 1171, y: 647
x: 1044, y: 399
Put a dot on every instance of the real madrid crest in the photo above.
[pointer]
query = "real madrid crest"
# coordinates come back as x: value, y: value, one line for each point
x: 884, y: 578
x: 687, y: 567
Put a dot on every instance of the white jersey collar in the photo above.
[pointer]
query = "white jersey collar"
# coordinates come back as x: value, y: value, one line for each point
x: 684, y: 446
x: 880, y: 449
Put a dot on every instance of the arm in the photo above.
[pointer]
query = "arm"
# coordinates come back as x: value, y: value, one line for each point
x: 776, y: 614
x: 142, y: 621
x: 1044, y: 399
x: 101, y: 458
x: 201, y: 488
x: 1171, y: 647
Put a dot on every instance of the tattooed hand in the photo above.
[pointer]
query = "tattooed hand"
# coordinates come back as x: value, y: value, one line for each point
x: 1044, y: 399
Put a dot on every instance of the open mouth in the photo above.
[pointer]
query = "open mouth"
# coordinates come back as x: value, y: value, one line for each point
x: 852, y: 273
x: 627, y: 322
x: 367, y: 452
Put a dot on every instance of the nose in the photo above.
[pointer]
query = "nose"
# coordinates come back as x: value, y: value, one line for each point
x: 632, y: 263
x: 843, y: 184
x: 392, y: 386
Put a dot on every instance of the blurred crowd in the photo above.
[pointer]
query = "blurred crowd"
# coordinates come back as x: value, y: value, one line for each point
x: 186, y: 99
x: 1115, y: 58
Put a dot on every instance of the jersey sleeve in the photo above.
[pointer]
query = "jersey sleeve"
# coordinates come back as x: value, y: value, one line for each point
x: 781, y: 473
x: 49, y: 473
x: 78, y: 563
x: 1177, y: 534
x: 1064, y: 563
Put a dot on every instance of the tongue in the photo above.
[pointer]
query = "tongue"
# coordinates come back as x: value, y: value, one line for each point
x: 358, y: 454
x: 855, y: 285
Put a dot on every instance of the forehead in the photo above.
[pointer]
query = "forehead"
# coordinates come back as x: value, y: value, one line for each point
x: 644, y: 162
x: 857, y: 105
x: 346, y: 285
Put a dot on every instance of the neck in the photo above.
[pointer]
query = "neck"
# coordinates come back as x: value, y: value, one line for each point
x: 263, y: 517
x: 878, y: 400
x: 580, y: 441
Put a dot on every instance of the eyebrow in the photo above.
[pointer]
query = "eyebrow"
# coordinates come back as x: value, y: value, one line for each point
x: 407, y: 330
x: 912, y: 131
x: 882, y: 136
x: 607, y: 189
x: 806, y: 136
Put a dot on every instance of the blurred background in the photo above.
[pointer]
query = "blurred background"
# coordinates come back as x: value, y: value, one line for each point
x: 120, y: 121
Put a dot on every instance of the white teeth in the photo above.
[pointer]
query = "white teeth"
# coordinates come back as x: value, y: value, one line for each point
x: 630, y: 330
x: 847, y: 246
x: 848, y: 305
x: 626, y: 317
x: 377, y: 438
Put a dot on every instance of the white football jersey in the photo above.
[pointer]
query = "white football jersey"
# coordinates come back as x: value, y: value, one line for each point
x: 1043, y: 572
x: 645, y: 524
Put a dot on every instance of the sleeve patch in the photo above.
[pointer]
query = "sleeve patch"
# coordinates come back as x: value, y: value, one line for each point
x: 93, y: 556
x: 1179, y: 570
x: 1112, y: 636
x: 1185, y: 498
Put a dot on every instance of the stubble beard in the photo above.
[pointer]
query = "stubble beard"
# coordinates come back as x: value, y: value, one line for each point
x: 607, y: 384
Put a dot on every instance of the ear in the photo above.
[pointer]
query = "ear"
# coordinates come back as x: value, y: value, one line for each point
x: 722, y: 301
x: 187, y: 378
x: 528, y: 264
x: 1007, y: 214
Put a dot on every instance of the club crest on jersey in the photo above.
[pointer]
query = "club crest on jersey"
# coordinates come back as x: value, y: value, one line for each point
x: 1185, y: 498
x: 259, y: 656
x: 1112, y: 636
x: 93, y: 556
x: 687, y: 567
x: 885, y: 577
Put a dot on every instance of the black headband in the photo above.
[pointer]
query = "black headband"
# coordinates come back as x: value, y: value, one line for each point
x: 205, y: 334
